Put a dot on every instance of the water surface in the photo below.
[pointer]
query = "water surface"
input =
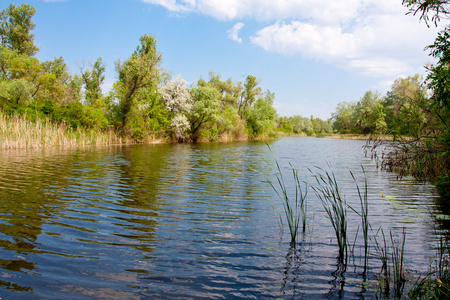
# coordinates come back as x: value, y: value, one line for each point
x: 193, y: 221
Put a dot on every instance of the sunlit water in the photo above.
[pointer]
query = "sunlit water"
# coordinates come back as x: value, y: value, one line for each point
x: 195, y: 221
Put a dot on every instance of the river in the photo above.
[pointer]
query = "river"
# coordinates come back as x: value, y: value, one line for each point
x: 197, y: 221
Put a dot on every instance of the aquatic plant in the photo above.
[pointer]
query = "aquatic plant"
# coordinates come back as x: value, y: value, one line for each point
x: 398, y: 269
x: 364, y: 214
x: 384, y: 278
x: 436, y: 284
x: 336, y: 208
x: 392, y: 278
x: 294, y: 210
x: 19, y: 132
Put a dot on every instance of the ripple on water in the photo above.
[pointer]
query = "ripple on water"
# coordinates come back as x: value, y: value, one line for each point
x: 191, y: 221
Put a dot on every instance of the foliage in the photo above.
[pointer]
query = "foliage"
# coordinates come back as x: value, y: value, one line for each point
x: 93, y: 80
x: 137, y: 86
x: 178, y: 100
x: 261, y: 117
x: 144, y: 104
x: 15, y: 29
x: 436, y: 8
x: 250, y: 94
x: 335, y: 205
x: 294, y: 210
x: 206, y: 107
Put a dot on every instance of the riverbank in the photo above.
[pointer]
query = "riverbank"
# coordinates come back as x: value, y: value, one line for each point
x: 349, y: 136
x: 19, y: 133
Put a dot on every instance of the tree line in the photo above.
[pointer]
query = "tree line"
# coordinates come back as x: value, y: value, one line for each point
x: 403, y: 111
x: 145, y: 103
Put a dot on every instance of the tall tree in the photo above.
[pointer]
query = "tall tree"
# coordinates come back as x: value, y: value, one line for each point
x: 250, y: 94
x: 137, y: 87
x: 92, y: 81
x: 342, y: 118
x: 178, y: 100
x: 15, y: 29
x: 261, y: 117
x: 206, y: 107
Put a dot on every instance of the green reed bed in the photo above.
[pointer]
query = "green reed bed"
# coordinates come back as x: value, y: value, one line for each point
x: 19, y: 132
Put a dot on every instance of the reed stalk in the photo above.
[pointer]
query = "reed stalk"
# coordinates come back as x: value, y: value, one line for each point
x: 336, y: 208
x: 398, y: 266
x: 436, y: 284
x: 364, y: 214
x: 294, y: 210
x: 392, y: 269
x: 19, y: 132
x: 384, y: 280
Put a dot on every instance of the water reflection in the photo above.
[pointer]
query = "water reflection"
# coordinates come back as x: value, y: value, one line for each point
x: 292, y: 281
x: 188, y: 220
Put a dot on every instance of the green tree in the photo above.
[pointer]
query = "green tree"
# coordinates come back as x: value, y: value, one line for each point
x: 229, y: 121
x: 20, y: 76
x: 428, y: 156
x: 405, y: 106
x: 92, y: 81
x: 250, y: 93
x: 261, y: 117
x: 370, y: 113
x: 58, y: 84
x: 206, y: 107
x: 343, y: 117
x: 137, y: 88
x: 15, y: 29
x: 301, y: 124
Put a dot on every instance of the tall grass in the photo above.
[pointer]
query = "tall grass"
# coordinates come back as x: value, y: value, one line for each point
x: 392, y: 278
x: 436, y: 284
x: 336, y: 208
x: 19, y: 132
x: 398, y: 269
x: 384, y: 280
x: 364, y: 214
x: 294, y: 210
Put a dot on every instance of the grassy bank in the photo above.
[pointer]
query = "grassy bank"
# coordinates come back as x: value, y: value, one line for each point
x: 351, y: 136
x: 19, y: 132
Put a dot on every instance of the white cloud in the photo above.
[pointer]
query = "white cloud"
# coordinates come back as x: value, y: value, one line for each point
x: 376, y: 45
x: 304, y: 38
x: 233, y: 33
x: 323, y: 10
x: 372, y: 37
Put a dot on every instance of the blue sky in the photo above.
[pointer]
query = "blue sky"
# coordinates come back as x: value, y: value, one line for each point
x: 311, y: 54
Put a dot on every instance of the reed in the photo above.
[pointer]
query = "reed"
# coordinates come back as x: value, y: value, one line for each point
x: 398, y: 269
x: 392, y: 276
x: 19, y: 132
x: 336, y: 208
x: 364, y: 214
x: 436, y: 284
x: 294, y: 210
x: 384, y: 279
